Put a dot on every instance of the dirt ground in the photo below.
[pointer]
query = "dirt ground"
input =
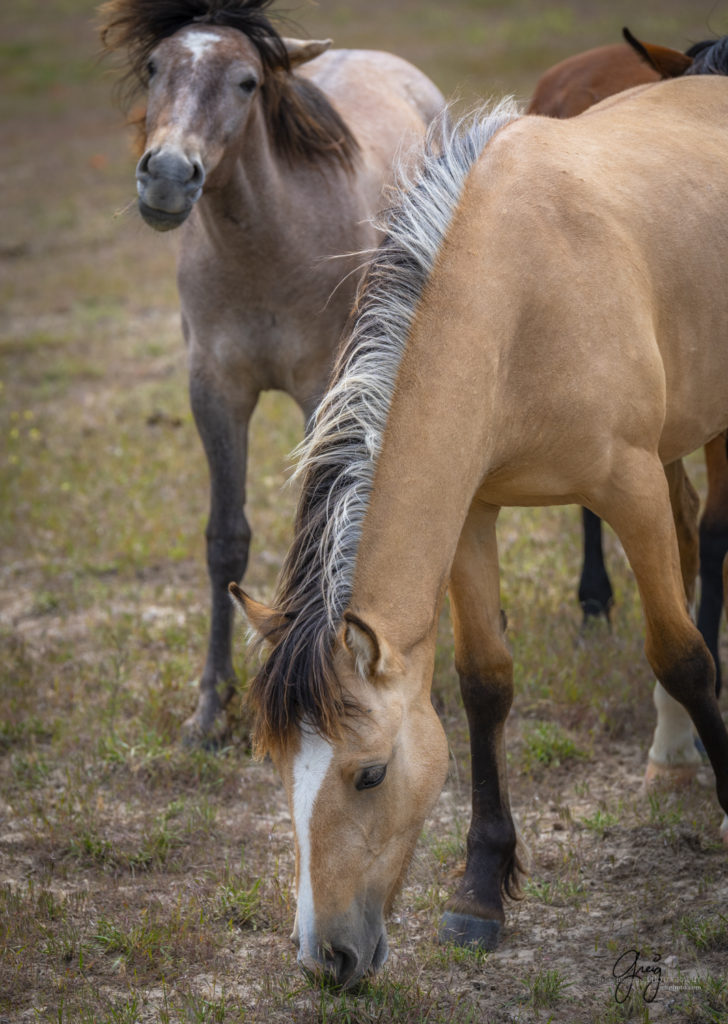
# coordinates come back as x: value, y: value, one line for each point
x: 140, y: 881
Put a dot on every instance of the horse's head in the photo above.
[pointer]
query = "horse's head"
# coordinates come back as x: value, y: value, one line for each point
x: 203, y: 83
x: 358, y: 798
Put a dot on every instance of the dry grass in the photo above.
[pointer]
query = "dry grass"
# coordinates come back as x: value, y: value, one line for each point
x: 143, y: 882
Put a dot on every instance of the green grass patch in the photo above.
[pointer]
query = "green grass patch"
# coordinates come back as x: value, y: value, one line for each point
x: 600, y: 821
x: 705, y: 933
x: 547, y: 745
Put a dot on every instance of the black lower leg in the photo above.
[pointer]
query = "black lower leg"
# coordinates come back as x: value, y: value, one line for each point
x: 713, y: 549
x: 595, y: 589
x: 690, y: 679
x: 475, y: 913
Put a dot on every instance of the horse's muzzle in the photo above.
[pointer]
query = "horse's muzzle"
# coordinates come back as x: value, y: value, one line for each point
x: 342, y: 966
x: 169, y: 184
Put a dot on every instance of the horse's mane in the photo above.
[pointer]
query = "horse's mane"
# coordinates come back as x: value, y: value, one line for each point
x: 303, y: 123
x: 338, y: 458
x: 709, y: 57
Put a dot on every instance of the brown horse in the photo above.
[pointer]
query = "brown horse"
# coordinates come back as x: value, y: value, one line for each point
x: 271, y: 157
x: 543, y: 325
x: 577, y: 83
x: 565, y: 90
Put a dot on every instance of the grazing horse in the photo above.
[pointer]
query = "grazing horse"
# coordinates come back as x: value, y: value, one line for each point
x: 271, y: 156
x: 544, y: 324
x: 565, y: 90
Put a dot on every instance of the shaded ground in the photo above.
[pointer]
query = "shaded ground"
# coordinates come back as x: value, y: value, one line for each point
x: 143, y: 882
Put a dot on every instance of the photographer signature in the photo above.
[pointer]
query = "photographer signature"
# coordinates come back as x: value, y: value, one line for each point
x: 630, y: 973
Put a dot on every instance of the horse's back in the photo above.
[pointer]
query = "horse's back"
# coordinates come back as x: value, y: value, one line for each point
x: 384, y: 99
x: 618, y: 222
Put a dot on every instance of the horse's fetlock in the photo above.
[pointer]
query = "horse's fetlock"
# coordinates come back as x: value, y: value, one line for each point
x: 689, y: 675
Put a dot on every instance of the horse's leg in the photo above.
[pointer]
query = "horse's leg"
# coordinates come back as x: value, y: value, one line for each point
x: 714, y: 547
x: 637, y: 504
x: 595, y: 590
x: 673, y: 759
x: 223, y: 428
x: 475, y: 913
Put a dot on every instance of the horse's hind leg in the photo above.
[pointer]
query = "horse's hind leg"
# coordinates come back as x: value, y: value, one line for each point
x: 637, y: 504
x: 474, y: 915
x: 595, y: 589
x: 714, y: 547
x: 673, y: 759
x: 223, y: 428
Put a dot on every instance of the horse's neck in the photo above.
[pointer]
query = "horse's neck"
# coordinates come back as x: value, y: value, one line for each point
x: 249, y: 188
x: 274, y: 201
x: 432, y: 461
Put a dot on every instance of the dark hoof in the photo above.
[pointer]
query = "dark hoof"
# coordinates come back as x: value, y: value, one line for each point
x: 595, y: 610
x: 464, y: 930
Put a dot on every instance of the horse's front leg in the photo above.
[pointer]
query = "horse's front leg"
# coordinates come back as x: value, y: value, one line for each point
x: 222, y: 423
x: 474, y: 915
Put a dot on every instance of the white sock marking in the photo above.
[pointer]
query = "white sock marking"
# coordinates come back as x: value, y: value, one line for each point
x: 309, y: 771
x: 673, y: 741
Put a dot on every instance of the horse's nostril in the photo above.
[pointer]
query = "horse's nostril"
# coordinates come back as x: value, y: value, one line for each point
x: 334, y: 967
x: 345, y: 966
x: 143, y: 165
x: 198, y: 174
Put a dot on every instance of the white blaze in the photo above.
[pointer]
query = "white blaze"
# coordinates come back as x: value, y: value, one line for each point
x: 309, y: 771
x: 198, y: 43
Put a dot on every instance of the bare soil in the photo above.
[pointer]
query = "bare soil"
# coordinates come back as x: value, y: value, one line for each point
x: 143, y: 882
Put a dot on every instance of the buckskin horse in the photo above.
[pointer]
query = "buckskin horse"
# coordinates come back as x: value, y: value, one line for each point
x: 544, y: 324
x: 565, y: 90
x: 270, y: 156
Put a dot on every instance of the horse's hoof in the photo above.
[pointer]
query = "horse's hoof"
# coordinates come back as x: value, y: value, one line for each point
x: 724, y: 831
x: 466, y: 930
x: 668, y: 776
x: 594, y: 610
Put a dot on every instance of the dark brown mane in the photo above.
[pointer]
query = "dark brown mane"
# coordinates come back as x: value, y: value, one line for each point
x: 303, y: 124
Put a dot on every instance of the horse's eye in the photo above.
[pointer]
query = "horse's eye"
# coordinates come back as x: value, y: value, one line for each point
x: 151, y: 69
x: 371, y: 777
x: 249, y: 84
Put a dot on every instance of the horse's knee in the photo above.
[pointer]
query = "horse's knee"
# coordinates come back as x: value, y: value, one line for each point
x: 486, y: 682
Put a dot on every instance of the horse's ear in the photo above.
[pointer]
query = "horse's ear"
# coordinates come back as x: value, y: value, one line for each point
x: 267, y: 623
x: 667, y: 63
x: 370, y: 653
x: 302, y: 50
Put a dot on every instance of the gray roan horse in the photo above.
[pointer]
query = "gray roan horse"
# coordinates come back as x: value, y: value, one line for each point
x: 546, y: 324
x: 270, y: 155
